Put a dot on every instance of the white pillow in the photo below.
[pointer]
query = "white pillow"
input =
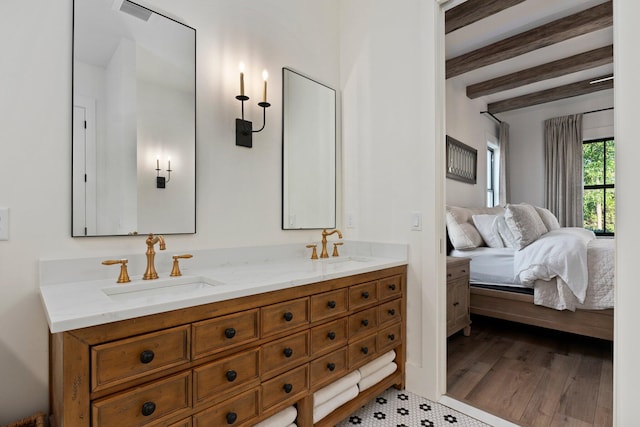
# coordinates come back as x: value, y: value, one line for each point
x: 507, y: 236
x: 525, y: 224
x: 548, y: 218
x: 487, y: 226
x: 462, y: 233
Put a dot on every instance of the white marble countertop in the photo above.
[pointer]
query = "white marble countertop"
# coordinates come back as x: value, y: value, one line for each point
x: 76, y: 293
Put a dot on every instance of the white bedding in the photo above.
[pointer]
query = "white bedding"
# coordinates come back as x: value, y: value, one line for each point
x: 490, y: 266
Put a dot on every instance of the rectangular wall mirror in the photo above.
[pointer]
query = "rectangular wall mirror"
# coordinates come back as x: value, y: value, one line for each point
x: 308, y: 153
x: 134, y: 109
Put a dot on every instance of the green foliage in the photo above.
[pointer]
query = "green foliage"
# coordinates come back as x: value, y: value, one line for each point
x: 599, y: 176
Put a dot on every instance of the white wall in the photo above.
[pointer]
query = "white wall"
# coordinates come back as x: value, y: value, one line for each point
x: 526, y: 138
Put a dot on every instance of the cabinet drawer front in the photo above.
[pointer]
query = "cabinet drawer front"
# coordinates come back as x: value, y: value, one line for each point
x: 287, y: 315
x: 183, y: 423
x: 329, y: 304
x: 363, y: 322
x: 457, y: 269
x: 131, y: 358
x: 328, y: 336
x: 390, y: 312
x: 284, y: 353
x: 363, y: 295
x: 389, y: 287
x: 389, y: 337
x: 327, y: 368
x: 362, y: 350
x: 222, y: 333
x: 285, y: 387
x: 233, y: 412
x: 217, y: 380
x: 167, y: 397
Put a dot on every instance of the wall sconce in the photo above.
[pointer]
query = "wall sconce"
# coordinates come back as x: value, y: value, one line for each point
x: 244, y: 128
x: 161, y: 181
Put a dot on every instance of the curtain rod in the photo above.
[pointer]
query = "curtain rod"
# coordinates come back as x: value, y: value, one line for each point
x: 492, y: 116
x: 597, y: 111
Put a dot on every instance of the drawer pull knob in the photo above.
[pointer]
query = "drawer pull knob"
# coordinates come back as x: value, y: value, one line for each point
x: 456, y: 303
x: 365, y: 295
x: 231, y: 375
x: 146, y: 356
x: 288, y: 316
x: 230, y: 333
x: 392, y: 337
x: 287, y: 388
x: 288, y: 352
x: 331, y: 335
x: 364, y: 350
x: 464, y: 271
x: 331, y: 366
x: 392, y: 287
x: 331, y: 304
x: 365, y: 322
x: 148, y: 408
x: 392, y: 312
x: 231, y: 417
x: 449, y: 275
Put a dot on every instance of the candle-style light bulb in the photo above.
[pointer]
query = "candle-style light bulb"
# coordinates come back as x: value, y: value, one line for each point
x: 265, y: 76
x: 241, y: 66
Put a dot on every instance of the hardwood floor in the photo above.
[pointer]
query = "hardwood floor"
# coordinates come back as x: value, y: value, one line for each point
x: 532, y: 376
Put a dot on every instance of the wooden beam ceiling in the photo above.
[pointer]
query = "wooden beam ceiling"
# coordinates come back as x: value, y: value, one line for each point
x: 472, y: 11
x: 567, y: 91
x: 582, y: 61
x: 589, y: 20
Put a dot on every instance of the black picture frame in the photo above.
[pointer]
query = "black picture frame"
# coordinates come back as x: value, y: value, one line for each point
x: 462, y: 161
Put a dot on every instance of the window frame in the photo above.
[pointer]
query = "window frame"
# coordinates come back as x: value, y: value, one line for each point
x: 600, y: 186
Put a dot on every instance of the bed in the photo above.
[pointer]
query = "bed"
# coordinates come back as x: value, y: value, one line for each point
x: 526, y: 268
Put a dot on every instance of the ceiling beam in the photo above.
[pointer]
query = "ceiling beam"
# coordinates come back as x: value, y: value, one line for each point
x: 561, y: 92
x: 472, y: 11
x: 589, y: 20
x: 573, y: 64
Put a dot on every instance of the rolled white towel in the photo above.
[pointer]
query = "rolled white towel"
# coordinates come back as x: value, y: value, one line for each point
x: 377, y: 376
x: 378, y: 363
x: 335, y: 388
x: 283, y: 418
x: 319, y: 412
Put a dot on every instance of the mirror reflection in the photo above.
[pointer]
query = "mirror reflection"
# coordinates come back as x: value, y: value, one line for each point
x: 133, y: 121
x: 308, y: 153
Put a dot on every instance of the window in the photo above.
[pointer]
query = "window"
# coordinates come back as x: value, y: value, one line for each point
x: 599, y: 172
x: 491, y: 190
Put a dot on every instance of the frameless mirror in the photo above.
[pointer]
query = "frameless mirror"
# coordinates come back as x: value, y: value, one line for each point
x: 308, y: 153
x: 133, y: 121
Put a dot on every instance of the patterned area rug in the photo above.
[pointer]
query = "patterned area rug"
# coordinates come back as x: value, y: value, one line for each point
x: 400, y: 408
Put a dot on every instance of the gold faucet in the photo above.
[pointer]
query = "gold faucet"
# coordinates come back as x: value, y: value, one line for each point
x: 326, y: 233
x: 150, y: 273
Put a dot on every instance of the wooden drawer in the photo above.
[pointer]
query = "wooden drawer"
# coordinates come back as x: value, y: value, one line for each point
x: 170, y: 396
x: 287, y: 387
x: 389, y: 337
x: 216, y: 381
x: 390, y: 312
x: 363, y: 322
x: 233, y: 412
x: 131, y: 358
x: 285, y: 353
x: 457, y: 268
x: 329, y: 367
x: 329, y: 304
x: 286, y: 315
x: 182, y: 423
x: 363, y: 295
x: 329, y: 336
x: 389, y: 287
x: 222, y: 333
x: 362, y: 350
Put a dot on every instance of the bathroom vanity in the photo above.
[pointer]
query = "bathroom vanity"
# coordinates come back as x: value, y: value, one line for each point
x: 234, y: 357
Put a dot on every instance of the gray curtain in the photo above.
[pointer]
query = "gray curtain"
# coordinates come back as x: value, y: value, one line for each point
x: 504, y: 195
x: 563, y: 169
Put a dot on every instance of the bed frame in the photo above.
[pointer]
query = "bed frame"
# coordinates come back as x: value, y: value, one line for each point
x: 520, y: 308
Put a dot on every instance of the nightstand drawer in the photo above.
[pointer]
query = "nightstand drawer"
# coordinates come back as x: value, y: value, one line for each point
x: 286, y: 315
x: 131, y: 358
x: 389, y: 287
x: 329, y: 304
x: 225, y: 332
x: 233, y: 412
x: 328, y: 367
x: 216, y: 381
x: 285, y: 353
x: 363, y: 295
x: 363, y: 322
x: 457, y: 268
x: 285, y: 387
x: 390, y: 312
x: 328, y: 336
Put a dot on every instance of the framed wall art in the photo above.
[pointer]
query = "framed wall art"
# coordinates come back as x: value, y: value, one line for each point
x: 461, y: 161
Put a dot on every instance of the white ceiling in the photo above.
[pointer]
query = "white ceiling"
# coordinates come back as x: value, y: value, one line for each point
x: 514, y: 20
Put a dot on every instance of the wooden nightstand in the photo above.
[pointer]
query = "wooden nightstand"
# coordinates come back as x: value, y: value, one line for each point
x: 458, y: 296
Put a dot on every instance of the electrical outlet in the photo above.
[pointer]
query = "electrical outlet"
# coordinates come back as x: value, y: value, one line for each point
x: 351, y: 221
x: 4, y: 223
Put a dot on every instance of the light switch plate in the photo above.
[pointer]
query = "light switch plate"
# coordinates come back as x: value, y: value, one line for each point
x: 4, y: 223
x: 416, y: 221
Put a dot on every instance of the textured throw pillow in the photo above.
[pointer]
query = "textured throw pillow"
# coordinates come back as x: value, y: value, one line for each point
x: 462, y: 233
x: 548, y: 218
x: 525, y: 224
x: 487, y: 226
x: 505, y: 232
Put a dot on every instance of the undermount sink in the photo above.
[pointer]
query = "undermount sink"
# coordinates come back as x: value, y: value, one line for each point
x: 161, y: 289
x: 344, y: 259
